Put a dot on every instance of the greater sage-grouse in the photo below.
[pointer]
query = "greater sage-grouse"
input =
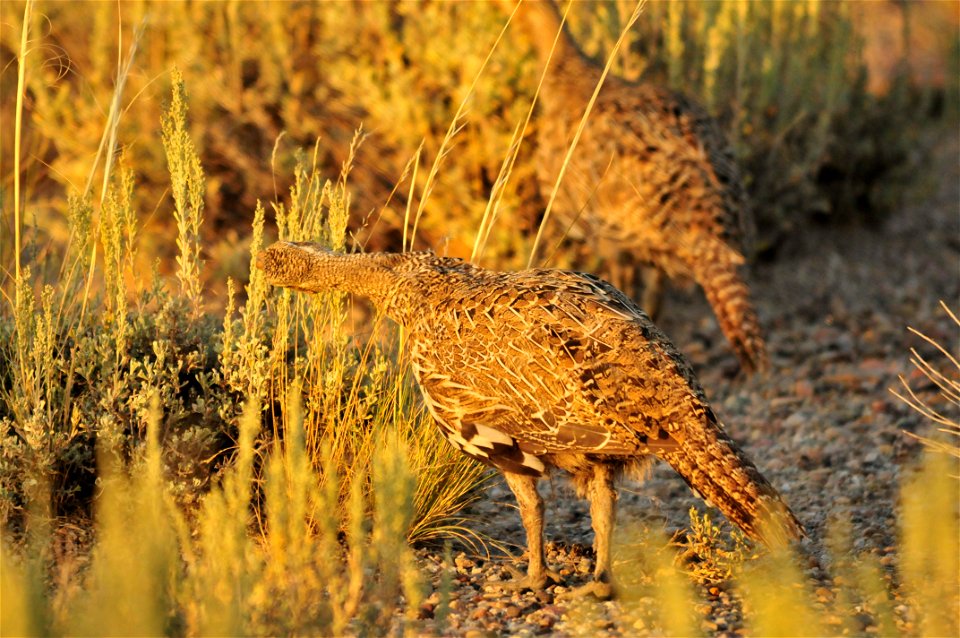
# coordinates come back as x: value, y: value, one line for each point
x: 652, y: 180
x: 541, y: 369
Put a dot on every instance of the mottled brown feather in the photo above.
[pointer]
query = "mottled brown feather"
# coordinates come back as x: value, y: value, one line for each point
x: 545, y: 368
x: 652, y: 178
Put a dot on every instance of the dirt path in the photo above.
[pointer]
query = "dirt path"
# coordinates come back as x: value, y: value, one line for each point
x: 821, y: 425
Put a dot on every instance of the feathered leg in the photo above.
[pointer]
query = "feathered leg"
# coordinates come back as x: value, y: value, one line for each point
x: 603, y: 511
x: 652, y: 299
x: 531, y: 513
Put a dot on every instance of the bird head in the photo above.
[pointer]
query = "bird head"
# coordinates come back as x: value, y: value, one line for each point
x: 296, y: 264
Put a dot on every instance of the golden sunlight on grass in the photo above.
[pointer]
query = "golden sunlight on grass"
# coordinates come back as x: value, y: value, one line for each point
x: 187, y: 451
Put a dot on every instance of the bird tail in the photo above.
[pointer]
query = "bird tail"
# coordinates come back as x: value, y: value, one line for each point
x: 729, y: 297
x: 721, y: 474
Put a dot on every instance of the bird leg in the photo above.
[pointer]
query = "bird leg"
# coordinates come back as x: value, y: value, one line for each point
x: 531, y: 513
x: 603, y: 504
x: 652, y: 290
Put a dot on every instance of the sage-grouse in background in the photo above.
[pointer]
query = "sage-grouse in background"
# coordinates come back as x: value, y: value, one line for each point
x: 652, y: 180
x: 540, y: 369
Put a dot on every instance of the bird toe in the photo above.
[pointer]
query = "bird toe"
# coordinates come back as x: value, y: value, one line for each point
x: 597, y: 589
x: 532, y: 581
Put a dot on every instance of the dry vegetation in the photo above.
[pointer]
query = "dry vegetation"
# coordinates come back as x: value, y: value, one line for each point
x: 268, y: 80
x: 943, y: 409
x: 257, y: 461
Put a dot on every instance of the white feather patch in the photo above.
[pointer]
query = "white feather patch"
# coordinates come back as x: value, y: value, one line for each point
x: 487, y: 437
x: 466, y: 446
x: 533, y: 462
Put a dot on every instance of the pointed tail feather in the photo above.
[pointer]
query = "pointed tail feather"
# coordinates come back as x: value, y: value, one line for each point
x: 712, y: 464
x: 730, y: 299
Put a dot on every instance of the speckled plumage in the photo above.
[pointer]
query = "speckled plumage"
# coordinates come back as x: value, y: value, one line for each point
x: 652, y: 180
x: 541, y: 369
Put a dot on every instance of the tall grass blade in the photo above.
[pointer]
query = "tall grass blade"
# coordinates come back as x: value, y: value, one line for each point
x: 583, y: 122
x: 18, y: 132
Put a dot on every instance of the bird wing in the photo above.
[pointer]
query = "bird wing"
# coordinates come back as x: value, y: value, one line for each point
x: 568, y: 363
x: 631, y: 376
x: 546, y: 362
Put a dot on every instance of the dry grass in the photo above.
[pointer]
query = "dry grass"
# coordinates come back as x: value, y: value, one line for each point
x: 153, y: 572
x: 250, y: 457
x: 784, y: 78
x: 83, y: 366
x: 942, y: 410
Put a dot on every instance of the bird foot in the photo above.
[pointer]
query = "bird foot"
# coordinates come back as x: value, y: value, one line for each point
x: 534, y: 582
x: 597, y: 588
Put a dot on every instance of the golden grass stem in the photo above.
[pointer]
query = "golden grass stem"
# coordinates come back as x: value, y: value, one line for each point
x: 17, y: 136
x: 452, y: 130
x: 415, y: 161
x: 949, y: 390
x: 490, y: 211
x: 493, y: 204
x: 583, y: 121
x: 506, y: 168
x: 109, y: 138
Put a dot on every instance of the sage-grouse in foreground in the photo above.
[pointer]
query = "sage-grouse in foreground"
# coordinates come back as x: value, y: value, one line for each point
x: 540, y: 369
x: 652, y: 180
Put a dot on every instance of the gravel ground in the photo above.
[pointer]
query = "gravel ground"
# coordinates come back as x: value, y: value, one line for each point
x: 821, y: 425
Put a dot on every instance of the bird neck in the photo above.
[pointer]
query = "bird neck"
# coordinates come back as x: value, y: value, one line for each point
x: 543, y: 23
x: 372, y: 275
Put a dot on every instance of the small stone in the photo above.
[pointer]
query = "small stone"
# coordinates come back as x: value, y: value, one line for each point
x: 833, y: 619
x: 803, y: 388
x: 464, y: 564
x: 863, y: 620
x: 512, y: 611
x: 796, y: 420
x: 546, y: 621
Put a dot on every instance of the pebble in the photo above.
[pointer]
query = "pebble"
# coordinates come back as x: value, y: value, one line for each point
x: 804, y: 389
x: 864, y: 620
